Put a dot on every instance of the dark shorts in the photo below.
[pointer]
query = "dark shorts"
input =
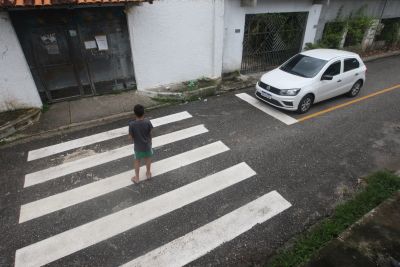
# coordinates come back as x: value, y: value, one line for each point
x: 143, y: 154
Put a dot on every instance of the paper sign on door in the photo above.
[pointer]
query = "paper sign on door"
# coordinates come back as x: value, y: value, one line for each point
x: 101, y: 41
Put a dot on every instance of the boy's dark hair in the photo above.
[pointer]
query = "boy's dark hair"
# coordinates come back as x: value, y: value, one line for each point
x: 139, y: 110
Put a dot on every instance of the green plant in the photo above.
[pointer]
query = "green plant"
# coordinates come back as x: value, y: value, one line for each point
x: 391, y: 32
x: 380, y: 186
x: 192, y: 84
x: 356, y: 27
x: 45, y: 107
x: 333, y: 34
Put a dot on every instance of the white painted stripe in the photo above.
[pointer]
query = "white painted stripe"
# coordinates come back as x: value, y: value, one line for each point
x: 195, y: 244
x: 96, y: 138
x: 101, y: 158
x: 91, y: 233
x: 68, y: 198
x: 267, y: 109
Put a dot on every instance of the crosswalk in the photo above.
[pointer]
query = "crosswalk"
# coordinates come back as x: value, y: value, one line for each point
x: 273, y: 112
x: 178, y: 252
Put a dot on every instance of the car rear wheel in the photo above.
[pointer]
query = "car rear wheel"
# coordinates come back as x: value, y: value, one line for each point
x: 305, y: 104
x: 355, y: 89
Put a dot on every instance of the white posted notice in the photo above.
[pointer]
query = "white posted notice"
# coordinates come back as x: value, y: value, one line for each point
x: 101, y: 41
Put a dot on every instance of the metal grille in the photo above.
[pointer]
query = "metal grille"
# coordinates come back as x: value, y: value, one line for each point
x: 270, y: 39
x: 269, y: 88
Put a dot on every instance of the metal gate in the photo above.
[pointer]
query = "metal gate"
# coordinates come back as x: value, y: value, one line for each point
x: 76, y: 52
x: 270, y: 39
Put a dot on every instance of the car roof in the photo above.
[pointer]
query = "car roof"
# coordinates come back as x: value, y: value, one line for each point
x: 328, y: 54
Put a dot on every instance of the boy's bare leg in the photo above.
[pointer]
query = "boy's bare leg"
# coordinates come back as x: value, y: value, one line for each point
x: 148, y: 165
x: 136, y: 164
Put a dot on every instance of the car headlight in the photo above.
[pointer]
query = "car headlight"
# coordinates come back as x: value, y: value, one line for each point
x: 290, y: 92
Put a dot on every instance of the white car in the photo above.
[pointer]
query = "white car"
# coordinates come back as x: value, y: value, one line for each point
x: 310, y: 77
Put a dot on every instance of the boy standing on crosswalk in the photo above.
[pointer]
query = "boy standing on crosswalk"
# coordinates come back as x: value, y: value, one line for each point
x: 140, y: 133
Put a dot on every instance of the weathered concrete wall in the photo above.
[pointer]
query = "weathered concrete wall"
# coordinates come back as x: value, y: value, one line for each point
x: 176, y: 40
x: 373, y: 8
x: 235, y: 19
x: 17, y: 88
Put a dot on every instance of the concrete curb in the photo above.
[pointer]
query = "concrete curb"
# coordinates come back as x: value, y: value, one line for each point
x: 19, y: 124
x: 389, y: 54
x: 182, y: 96
x: 200, y: 93
x: 163, y: 95
x: 348, y: 238
x: 73, y: 126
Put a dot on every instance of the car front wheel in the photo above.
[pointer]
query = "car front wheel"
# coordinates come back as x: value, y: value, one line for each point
x: 355, y: 89
x: 305, y: 104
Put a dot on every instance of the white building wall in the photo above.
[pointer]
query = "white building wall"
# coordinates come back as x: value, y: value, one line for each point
x: 312, y: 24
x: 235, y: 19
x: 176, y: 40
x: 17, y: 88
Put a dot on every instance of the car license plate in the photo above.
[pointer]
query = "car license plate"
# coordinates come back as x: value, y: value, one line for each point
x: 265, y: 94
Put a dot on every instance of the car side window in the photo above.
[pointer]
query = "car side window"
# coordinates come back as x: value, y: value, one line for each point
x: 333, y: 69
x: 351, y: 64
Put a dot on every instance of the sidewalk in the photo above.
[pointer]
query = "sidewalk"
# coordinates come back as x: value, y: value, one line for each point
x: 372, y: 241
x: 88, y: 110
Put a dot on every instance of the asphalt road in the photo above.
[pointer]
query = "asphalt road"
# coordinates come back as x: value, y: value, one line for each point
x: 313, y: 164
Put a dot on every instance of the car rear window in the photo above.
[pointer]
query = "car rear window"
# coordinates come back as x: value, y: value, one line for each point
x: 351, y: 64
x: 303, y: 66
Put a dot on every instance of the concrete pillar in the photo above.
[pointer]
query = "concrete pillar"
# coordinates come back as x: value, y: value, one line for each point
x: 218, y: 42
x: 369, y: 35
x: 312, y: 24
x: 344, y: 35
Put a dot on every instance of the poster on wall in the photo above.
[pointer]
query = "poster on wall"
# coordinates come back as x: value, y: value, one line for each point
x: 49, y: 42
x: 90, y: 45
x: 72, y: 33
x: 101, y: 41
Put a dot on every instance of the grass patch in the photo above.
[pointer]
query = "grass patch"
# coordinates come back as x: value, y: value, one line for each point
x: 379, y: 187
x: 45, y: 107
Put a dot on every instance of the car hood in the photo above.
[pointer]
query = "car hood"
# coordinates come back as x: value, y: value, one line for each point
x: 283, y: 80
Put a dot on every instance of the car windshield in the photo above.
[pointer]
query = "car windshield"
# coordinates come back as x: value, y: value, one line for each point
x: 303, y: 66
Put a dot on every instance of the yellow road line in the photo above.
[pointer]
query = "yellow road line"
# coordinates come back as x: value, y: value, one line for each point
x: 348, y: 103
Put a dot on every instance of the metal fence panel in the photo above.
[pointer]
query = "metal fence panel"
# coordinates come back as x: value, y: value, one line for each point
x: 270, y: 39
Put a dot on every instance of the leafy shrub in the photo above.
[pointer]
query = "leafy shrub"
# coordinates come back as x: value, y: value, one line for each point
x: 192, y: 84
x: 390, y: 32
x: 333, y: 33
x: 357, y: 26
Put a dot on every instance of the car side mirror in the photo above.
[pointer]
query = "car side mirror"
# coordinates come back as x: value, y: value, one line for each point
x: 327, y: 77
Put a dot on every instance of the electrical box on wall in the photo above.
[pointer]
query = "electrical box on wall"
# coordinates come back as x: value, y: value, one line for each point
x: 248, y: 3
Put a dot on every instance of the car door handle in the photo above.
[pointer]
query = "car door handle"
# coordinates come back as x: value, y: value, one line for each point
x: 339, y: 81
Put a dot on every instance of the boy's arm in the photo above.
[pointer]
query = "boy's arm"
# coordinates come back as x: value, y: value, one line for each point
x: 151, y: 130
x: 130, y: 133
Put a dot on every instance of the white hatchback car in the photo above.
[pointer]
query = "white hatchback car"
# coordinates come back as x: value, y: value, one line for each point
x: 310, y: 77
